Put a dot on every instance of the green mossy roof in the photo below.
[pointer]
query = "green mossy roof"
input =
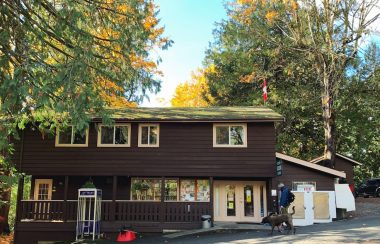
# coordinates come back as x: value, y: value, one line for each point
x: 197, y: 114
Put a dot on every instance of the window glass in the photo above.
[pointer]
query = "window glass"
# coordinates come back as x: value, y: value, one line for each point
x: 43, y: 191
x: 65, y: 135
x: 222, y: 135
x: 148, y: 135
x: 79, y: 138
x: 106, y: 135
x: 146, y: 189
x: 203, y: 190
x: 153, y: 135
x: 144, y: 134
x: 121, y: 134
x: 371, y: 183
x: 236, y: 135
x: 68, y: 136
x: 171, y: 190
x: 187, y: 190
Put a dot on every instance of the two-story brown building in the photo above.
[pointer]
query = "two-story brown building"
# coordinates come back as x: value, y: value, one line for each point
x: 158, y: 168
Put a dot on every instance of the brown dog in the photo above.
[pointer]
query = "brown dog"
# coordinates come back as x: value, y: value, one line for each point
x: 277, y: 219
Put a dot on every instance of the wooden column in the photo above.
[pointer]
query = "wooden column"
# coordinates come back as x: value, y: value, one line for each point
x: 65, y: 191
x: 20, y: 192
x: 114, y: 195
x: 212, y: 198
x: 162, y: 207
x: 20, y: 196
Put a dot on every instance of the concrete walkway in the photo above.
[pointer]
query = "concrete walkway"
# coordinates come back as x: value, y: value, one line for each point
x: 219, y: 226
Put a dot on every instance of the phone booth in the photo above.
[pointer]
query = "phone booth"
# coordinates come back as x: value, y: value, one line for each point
x: 89, y: 213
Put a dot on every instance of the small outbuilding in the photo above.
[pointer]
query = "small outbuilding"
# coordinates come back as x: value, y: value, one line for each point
x: 298, y: 174
x: 342, y: 163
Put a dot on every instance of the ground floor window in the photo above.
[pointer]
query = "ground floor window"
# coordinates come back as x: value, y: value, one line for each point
x: 146, y: 189
x: 187, y: 190
x: 304, y: 186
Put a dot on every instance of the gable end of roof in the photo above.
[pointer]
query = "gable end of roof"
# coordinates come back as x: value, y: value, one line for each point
x: 311, y: 165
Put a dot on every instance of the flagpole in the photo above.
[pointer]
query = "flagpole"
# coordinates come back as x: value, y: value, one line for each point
x: 265, y: 91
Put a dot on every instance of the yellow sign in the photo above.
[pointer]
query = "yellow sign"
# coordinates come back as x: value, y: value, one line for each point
x: 231, y: 205
x: 249, y: 199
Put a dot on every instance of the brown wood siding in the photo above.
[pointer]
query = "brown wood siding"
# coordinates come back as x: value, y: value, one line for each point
x: 292, y: 172
x: 186, y: 149
x: 347, y: 167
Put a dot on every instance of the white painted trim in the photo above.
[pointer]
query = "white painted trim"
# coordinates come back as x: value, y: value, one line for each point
x: 244, y: 125
x: 99, y: 144
x: 43, y: 181
x: 311, y: 165
x: 57, y: 144
x: 319, y: 159
x: 158, y: 135
x: 348, y: 159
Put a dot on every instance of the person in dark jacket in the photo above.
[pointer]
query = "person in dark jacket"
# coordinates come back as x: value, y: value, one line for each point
x: 284, y: 198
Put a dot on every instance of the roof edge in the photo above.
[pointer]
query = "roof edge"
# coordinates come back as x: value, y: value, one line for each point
x: 319, y: 159
x: 311, y: 165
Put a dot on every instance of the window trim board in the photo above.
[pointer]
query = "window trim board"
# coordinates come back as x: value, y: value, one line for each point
x: 140, y: 134
x: 57, y: 144
x: 245, y: 141
x: 98, y: 142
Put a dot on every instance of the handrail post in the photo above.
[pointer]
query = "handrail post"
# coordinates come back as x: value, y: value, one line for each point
x: 162, y: 205
x: 114, y: 193
x: 65, y: 208
x: 211, y: 206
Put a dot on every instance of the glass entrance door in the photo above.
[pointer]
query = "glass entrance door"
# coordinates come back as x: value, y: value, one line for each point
x: 248, y: 201
x: 231, y: 200
x: 242, y: 201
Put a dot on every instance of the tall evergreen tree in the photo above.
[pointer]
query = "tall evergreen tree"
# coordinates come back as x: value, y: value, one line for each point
x: 62, y: 60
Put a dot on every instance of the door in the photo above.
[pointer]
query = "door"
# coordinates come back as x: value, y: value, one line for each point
x: 321, y: 205
x: 303, y: 203
x: 42, y: 195
x: 43, y: 189
x: 240, y: 201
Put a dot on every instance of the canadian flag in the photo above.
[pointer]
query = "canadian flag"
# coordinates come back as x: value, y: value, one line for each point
x: 265, y: 91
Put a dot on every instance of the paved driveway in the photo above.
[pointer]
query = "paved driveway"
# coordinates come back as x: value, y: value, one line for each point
x: 359, y: 230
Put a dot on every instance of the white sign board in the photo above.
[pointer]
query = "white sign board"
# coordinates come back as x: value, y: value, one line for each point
x: 305, y: 187
x: 344, y: 197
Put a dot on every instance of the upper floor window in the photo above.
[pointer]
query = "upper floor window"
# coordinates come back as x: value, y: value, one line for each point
x: 70, y: 137
x: 230, y: 135
x: 149, y: 135
x: 114, y: 136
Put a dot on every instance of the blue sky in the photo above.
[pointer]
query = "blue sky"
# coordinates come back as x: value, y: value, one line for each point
x: 189, y: 23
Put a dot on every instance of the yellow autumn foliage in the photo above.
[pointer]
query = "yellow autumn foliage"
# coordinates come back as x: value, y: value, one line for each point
x: 247, y: 8
x: 193, y: 93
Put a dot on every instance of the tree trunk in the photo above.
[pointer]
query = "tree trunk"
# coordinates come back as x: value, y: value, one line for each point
x: 5, y: 195
x: 328, y: 121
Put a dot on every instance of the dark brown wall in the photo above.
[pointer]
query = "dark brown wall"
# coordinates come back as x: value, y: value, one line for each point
x: 185, y: 150
x: 347, y: 167
x: 292, y: 172
x: 76, y: 182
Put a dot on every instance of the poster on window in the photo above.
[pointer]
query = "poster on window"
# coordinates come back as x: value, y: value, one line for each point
x: 203, y: 191
x: 187, y: 190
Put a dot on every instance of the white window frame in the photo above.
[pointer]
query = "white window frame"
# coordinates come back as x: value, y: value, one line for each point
x: 244, y: 125
x: 99, y: 141
x: 57, y: 144
x: 140, y: 134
